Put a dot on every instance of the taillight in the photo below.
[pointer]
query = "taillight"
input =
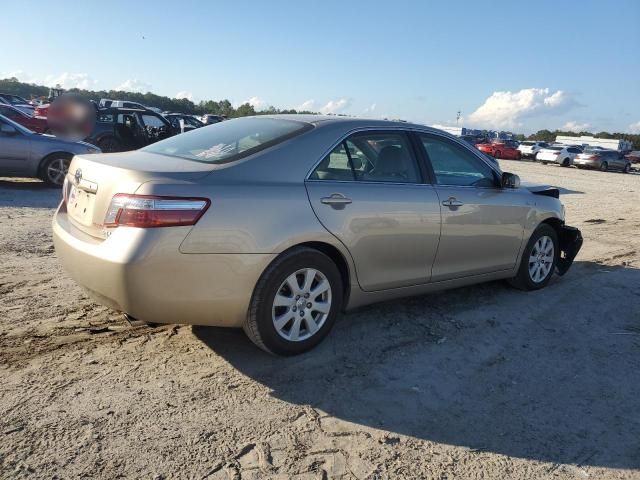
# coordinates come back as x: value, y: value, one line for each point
x: 146, y: 211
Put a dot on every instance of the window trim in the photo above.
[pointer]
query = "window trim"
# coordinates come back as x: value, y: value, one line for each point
x: 464, y: 147
x: 422, y: 178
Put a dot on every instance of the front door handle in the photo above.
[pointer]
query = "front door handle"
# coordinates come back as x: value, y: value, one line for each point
x: 336, y: 199
x: 452, y: 202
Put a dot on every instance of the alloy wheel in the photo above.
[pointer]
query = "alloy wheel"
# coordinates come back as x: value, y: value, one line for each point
x: 541, y: 259
x: 301, y: 305
x: 57, y: 170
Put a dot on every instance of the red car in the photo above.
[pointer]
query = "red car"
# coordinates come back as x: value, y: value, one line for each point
x: 500, y: 150
x: 633, y: 156
x: 38, y: 125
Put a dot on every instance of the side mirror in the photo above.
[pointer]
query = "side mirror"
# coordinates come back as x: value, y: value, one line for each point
x: 7, y: 129
x: 510, y: 180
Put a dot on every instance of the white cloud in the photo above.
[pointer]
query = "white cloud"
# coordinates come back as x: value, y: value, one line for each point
x: 256, y: 102
x: 187, y: 95
x: 306, y: 106
x: 507, y: 109
x: 133, y: 85
x: 576, y: 127
x: 336, y: 106
x: 370, y: 109
x: 634, y: 127
x: 70, y: 80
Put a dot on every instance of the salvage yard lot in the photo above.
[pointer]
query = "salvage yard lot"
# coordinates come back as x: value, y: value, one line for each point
x: 479, y: 382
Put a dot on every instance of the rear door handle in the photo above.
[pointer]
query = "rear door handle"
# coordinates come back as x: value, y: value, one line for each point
x: 336, y: 199
x: 452, y: 202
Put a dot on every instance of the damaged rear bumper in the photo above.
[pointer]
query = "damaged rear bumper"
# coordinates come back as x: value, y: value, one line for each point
x: 570, y: 240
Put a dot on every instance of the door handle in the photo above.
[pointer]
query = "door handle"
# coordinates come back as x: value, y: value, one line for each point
x: 452, y: 202
x: 336, y: 199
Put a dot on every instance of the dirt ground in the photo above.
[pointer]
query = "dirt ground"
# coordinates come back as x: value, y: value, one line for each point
x: 476, y: 383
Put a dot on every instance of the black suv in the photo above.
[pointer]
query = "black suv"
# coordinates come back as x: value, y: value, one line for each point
x: 123, y: 129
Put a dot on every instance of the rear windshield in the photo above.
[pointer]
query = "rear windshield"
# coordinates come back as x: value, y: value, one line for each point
x: 527, y: 143
x: 555, y: 148
x: 230, y: 140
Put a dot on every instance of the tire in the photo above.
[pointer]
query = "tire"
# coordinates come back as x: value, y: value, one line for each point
x: 263, y: 315
x: 627, y: 168
x: 604, y: 167
x: 544, y: 163
x: 526, y: 278
x: 566, y: 162
x: 110, y: 145
x: 498, y: 154
x: 518, y: 156
x: 54, y: 168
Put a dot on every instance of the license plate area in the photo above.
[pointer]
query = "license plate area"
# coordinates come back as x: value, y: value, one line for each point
x: 80, y: 205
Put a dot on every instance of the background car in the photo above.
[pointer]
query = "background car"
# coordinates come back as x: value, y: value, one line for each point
x: 602, y: 160
x: 18, y: 102
x: 124, y: 129
x: 189, y: 121
x: 500, y: 150
x: 561, y: 154
x: 529, y: 149
x: 633, y: 157
x: 277, y: 223
x: 209, y: 119
x: 24, y: 153
x: 38, y: 125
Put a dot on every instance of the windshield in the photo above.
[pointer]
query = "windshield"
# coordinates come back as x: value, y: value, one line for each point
x: 230, y: 140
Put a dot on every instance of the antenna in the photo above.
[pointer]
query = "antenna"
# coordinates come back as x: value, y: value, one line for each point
x: 458, y: 117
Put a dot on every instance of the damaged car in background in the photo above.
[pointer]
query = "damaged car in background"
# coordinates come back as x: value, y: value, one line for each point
x: 276, y: 224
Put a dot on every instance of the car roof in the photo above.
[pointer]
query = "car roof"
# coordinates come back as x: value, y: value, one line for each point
x: 352, y: 122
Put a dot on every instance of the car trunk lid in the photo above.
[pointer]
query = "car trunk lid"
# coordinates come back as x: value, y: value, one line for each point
x: 93, y: 180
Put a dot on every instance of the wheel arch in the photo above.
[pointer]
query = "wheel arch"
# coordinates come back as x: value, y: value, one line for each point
x: 338, y: 259
x: 52, y: 154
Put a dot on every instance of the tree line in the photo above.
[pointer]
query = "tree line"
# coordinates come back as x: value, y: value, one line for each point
x: 550, y: 136
x: 181, y: 105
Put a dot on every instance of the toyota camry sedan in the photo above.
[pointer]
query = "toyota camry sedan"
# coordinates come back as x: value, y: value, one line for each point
x: 276, y: 224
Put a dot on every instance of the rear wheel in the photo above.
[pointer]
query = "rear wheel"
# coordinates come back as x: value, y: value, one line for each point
x: 295, y: 302
x: 627, y: 168
x: 498, y: 154
x: 54, y: 168
x: 110, y: 145
x: 538, y: 260
x: 566, y: 162
x: 518, y: 156
x: 604, y: 167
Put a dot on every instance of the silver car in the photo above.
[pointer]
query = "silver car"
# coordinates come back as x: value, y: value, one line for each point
x: 24, y: 153
x: 277, y: 223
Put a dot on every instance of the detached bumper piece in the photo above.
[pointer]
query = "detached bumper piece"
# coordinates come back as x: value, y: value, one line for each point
x: 570, y: 244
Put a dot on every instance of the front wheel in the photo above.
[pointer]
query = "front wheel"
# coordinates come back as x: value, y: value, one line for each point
x: 604, y: 167
x: 539, y: 260
x: 295, y: 302
x: 627, y: 168
x: 498, y: 154
x: 566, y: 162
x: 54, y: 168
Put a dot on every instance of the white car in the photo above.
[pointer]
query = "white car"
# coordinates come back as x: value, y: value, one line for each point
x: 561, y: 154
x: 530, y: 149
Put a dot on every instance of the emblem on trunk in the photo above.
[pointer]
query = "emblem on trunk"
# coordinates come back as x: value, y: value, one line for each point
x: 78, y: 175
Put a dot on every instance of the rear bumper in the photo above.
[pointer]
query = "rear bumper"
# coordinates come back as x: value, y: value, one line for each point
x: 570, y: 239
x: 587, y: 163
x: 142, y: 273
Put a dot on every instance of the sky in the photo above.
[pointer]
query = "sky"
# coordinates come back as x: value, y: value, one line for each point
x: 514, y: 65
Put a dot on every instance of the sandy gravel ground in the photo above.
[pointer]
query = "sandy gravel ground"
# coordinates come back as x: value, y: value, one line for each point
x: 477, y: 383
